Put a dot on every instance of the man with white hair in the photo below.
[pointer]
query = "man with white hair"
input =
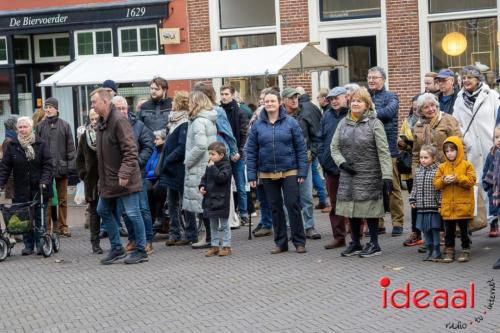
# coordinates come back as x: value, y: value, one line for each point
x: 144, y: 139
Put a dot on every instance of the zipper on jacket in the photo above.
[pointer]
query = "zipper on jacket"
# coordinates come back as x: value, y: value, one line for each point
x: 274, y: 150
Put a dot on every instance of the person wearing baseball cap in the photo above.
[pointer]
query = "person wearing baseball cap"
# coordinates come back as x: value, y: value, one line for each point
x: 57, y: 134
x: 309, y: 122
x: 331, y: 118
x: 447, y: 90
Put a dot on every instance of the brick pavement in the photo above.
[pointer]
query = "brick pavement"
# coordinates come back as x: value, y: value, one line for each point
x: 180, y: 290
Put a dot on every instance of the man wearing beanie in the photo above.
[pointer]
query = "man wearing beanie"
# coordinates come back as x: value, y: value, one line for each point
x: 57, y: 134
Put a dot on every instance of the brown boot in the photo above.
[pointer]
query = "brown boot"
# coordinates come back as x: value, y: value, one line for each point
x: 130, y: 247
x: 449, y: 255
x: 213, y: 251
x: 149, y: 248
x: 226, y: 251
x: 334, y: 244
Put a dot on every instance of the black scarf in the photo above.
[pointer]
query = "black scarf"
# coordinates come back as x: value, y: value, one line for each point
x: 470, y: 97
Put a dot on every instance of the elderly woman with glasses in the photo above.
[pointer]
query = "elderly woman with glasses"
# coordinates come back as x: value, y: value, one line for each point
x: 28, y: 157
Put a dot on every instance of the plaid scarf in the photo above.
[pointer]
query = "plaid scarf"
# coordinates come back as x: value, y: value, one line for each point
x: 27, y: 144
x: 90, y: 136
x: 470, y: 97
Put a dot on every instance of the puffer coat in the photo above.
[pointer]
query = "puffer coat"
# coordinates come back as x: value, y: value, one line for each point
x: 201, y: 133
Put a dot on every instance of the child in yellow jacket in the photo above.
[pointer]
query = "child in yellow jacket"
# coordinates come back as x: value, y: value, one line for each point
x: 456, y: 178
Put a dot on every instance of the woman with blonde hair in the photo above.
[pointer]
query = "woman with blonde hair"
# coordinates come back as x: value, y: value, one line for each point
x: 201, y: 133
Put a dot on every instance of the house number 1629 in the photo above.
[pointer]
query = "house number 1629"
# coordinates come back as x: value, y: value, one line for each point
x: 136, y: 11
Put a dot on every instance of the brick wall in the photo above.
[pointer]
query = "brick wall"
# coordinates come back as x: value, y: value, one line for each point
x: 403, y: 51
x: 199, y: 25
x: 294, y: 20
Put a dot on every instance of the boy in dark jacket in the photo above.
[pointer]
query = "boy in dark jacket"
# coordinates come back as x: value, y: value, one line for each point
x: 216, y: 188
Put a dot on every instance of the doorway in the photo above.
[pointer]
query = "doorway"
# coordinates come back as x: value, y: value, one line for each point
x: 358, y: 53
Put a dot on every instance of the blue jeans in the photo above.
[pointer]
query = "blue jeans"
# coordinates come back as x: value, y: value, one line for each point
x: 191, y: 227
x: 107, y: 208
x: 318, y: 183
x: 266, y: 216
x: 214, y: 230
x: 306, y: 200
x: 34, y: 236
x: 240, y: 180
x: 145, y: 212
x: 174, y: 199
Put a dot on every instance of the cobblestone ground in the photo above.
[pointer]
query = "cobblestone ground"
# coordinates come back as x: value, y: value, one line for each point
x: 179, y: 290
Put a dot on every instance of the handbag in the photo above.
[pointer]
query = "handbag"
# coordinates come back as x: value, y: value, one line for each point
x: 403, y: 162
x: 480, y: 219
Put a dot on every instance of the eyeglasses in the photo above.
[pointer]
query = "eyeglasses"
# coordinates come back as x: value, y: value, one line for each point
x: 373, y: 77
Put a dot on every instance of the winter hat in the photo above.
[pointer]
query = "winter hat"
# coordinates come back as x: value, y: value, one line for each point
x: 110, y: 84
x: 52, y: 102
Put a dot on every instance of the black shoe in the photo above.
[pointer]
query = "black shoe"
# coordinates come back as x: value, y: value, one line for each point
x: 370, y: 250
x: 114, y: 255
x: 312, y: 233
x: 136, y: 257
x: 123, y: 232
x: 244, y: 220
x: 103, y: 234
x: 497, y: 265
x: 257, y: 228
x: 27, y: 252
x: 96, y: 249
x: 396, y: 231
x: 351, y: 250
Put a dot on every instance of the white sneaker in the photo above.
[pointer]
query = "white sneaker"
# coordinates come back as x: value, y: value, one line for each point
x: 254, y: 214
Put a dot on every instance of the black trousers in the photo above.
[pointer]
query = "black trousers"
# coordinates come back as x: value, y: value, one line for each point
x: 285, y: 190
x: 95, y: 222
x: 450, y: 230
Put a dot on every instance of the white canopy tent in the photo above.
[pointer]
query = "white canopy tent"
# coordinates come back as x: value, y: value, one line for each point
x: 270, y: 60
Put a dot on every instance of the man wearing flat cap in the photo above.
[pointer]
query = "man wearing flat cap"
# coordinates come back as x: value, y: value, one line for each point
x: 310, y: 129
x: 57, y: 134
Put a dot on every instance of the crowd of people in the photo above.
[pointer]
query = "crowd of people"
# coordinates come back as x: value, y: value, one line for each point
x: 191, y: 163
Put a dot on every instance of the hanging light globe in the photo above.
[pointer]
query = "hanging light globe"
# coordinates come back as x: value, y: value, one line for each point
x: 454, y: 43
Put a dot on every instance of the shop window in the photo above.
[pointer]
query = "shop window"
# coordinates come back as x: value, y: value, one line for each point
x: 440, y: 6
x: 51, y: 48
x: 22, y: 49
x: 458, y: 43
x: 342, y: 10
x: 247, y: 13
x: 93, y: 42
x: 5, y: 106
x: 138, y: 40
x: 3, y: 50
x: 243, y: 42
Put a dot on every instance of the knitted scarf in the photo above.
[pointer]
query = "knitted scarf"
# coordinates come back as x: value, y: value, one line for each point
x: 175, y: 119
x: 27, y: 142
x: 90, y: 136
x: 470, y: 97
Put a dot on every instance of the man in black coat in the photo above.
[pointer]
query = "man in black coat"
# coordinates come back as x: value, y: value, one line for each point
x: 154, y: 112
x: 239, y: 124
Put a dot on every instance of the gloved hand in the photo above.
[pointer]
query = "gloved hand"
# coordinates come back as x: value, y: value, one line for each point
x: 386, y: 193
x: 347, y: 167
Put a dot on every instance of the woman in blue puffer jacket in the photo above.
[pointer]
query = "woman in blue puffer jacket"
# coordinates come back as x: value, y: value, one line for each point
x: 276, y: 154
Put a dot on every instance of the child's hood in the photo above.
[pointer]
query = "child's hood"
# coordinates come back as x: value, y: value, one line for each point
x: 460, y: 149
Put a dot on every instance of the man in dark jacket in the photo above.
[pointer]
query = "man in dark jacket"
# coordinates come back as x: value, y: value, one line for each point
x: 144, y: 140
x: 120, y: 180
x: 239, y: 124
x: 154, y: 112
x: 57, y: 134
x: 10, y: 135
x: 447, y: 90
x: 309, y: 122
x: 308, y: 107
x: 387, y: 108
x: 331, y: 118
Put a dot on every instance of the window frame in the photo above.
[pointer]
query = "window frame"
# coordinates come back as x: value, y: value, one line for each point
x: 139, y: 50
x: 94, y: 43
x: 462, y: 12
x: 219, y: 19
x: 24, y: 61
x: 55, y: 58
x: 323, y: 18
x: 6, y: 61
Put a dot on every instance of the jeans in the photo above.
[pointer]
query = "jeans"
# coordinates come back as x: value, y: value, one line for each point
x: 450, y: 229
x: 34, y: 236
x: 277, y: 191
x: 432, y: 237
x: 318, y: 181
x: 266, y: 217
x: 240, y: 180
x: 214, y: 230
x: 306, y: 200
x: 145, y: 212
x: 337, y: 222
x: 190, y: 227
x: 174, y: 210
x: 107, y: 209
